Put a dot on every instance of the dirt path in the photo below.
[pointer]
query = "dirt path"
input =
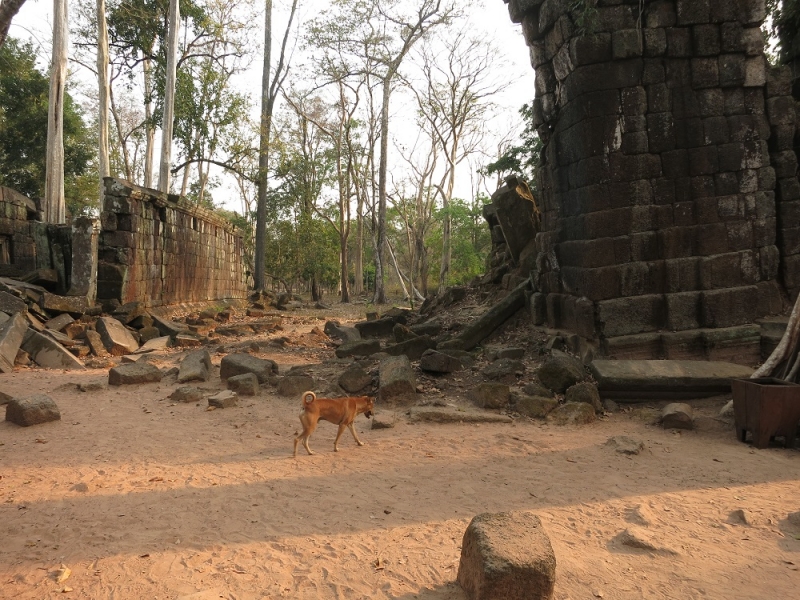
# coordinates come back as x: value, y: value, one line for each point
x: 141, y: 498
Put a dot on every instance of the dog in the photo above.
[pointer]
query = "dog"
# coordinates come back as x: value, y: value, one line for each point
x: 340, y: 411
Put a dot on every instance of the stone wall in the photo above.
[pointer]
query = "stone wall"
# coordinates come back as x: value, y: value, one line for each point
x: 161, y: 249
x: 27, y: 244
x: 668, y: 186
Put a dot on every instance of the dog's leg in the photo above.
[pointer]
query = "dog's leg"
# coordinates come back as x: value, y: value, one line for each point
x: 338, y: 435
x: 309, y: 425
x: 355, y: 437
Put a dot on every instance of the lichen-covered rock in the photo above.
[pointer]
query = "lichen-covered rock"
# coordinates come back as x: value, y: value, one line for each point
x: 32, y: 410
x: 560, y: 372
x: 585, y: 392
x: 537, y: 407
x: 490, y: 395
x: 572, y: 413
x: 507, y: 556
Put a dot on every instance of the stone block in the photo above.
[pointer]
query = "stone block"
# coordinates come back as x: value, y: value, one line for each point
x: 755, y: 71
x: 32, y: 410
x: 240, y: 363
x: 196, y: 366
x: 590, y: 49
x: 186, y: 394
x: 294, y: 385
x: 358, y: 348
x: 48, y: 353
x: 705, y: 73
x: 706, y: 39
x: 625, y: 316
x: 354, y: 380
x: 12, y: 333
x: 224, y: 399
x: 626, y: 43
x: 683, y: 311
x: 506, y: 556
x: 728, y: 307
x: 690, y: 12
x: 412, y: 348
x: 677, y: 415
x: 397, y: 384
x: 116, y: 338
x: 134, y: 374
x: 10, y: 304
x: 679, y: 42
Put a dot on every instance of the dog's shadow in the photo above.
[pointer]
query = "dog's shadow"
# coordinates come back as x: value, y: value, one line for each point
x: 447, y: 591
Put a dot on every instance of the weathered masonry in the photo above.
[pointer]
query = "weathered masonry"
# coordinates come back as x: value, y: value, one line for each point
x: 147, y: 246
x: 162, y: 249
x: 668, y: 182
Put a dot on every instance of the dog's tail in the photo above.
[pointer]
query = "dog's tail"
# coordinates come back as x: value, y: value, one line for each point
x: 308, y: 398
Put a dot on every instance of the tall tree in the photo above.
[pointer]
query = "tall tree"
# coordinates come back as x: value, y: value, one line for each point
x: 103, y: 82
x: 454, y: 103
x: 54, y: 207
x: 8, y: 9
x: 173, y: 27
x: 270, y: 88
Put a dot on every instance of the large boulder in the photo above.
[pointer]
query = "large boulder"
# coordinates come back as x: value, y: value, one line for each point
x: 32, y: 410
x: 397, y: 383
x: 559, y: 372
x: 117, y: 340
x: 244, y: 385
x: 240, y: 363
x: 507, y: 556
x: 134, y: 373
x: 196, y: 366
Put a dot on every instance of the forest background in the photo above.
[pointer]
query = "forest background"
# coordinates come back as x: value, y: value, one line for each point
x: 457, y: 82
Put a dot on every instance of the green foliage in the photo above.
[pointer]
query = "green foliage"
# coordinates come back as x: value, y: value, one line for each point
x: 522, y: 159
x: 24, y: 94
x: 584, y: 15
x: 785, y: 26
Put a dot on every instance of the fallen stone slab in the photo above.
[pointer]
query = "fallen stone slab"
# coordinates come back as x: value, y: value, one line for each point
x: 159, y: 343
x: 448, y: 414
x: 677, y: 415
x: 511, y: 352
x: 354, y: 380
x: 643, y: 380
x: 187, y: 394
x: 240, y: 363
x: 358, y: 348
x: 188, y: 340
x: 196, y: 366
x: 402, y: 333
x: 397, y: 384
x: 169, y: 327
x: 380, y: 328
x: 432, y: 361
x: 560, y: 372
x: 75, y: 305
x: 490, y: 395
x: 294, y: 385
x: 48, y: 353
x: 504, y: 368
x: 32, y: 410
x: 95, y: 343
x: 430, y: 328
x: 413, y: 348
x: 12, y: 333
x: 476, y: 332
x: 225, y: 399
x: 572, y: 413
x: 10, y: 304
x: 116, y: 338
x: 60, y: 322
x: 244, y: 385
x: 507, y: 556
x: 138, y: 372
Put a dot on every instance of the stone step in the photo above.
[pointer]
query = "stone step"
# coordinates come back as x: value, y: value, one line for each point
x: 645, y: 380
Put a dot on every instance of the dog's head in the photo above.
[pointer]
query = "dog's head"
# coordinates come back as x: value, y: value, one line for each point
x: 367, y: 406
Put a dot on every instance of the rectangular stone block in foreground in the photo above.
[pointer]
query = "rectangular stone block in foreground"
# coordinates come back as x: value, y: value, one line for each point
x: 507, y: 556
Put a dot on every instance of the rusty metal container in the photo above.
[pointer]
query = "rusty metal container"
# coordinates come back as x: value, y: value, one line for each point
x: 766, y: 407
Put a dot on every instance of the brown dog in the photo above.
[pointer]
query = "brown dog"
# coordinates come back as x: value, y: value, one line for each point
x: 340, y: 411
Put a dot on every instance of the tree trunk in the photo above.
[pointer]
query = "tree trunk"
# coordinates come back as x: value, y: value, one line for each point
x: 173, y: 28
x: 358, y: 259
x: 344, y: 283
x: 8, y: 8
x: 54, y: 206
x: 380, y: 242
x: 149, y: 129
x: 123, y: 147
x: 263, y: 154
x: 103, y: 85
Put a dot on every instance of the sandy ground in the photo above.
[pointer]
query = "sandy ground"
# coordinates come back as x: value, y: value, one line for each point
x: 141, y: 498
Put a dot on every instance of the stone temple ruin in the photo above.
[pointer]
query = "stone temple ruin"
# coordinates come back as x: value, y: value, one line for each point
x: 668, y: 182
